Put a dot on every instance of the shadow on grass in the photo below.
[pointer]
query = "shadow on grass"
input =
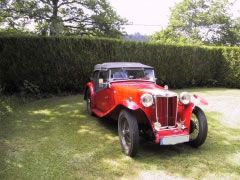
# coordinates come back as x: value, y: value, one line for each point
x: 55, y: 138
x: 215, y: 157
x: 110, y: 124
x: 218, y: 157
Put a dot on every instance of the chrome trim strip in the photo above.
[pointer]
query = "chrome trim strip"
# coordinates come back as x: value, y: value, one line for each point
x: 176, y: 111
x: 169, y: 128
x: 156, y: 108
x: 167, y: 119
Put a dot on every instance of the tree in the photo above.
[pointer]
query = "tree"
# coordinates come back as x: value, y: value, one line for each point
x: 169, y: 36
x: 232, y: 34
x: 56, y: 17
x: 206, y: 21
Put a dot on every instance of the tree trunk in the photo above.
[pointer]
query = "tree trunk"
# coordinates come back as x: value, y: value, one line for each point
x: 54, y: 24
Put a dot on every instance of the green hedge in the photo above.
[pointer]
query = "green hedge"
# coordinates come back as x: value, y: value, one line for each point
x: 64, y: 64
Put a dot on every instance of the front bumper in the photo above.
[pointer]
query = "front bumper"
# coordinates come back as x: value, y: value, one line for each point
x: 171, y: 136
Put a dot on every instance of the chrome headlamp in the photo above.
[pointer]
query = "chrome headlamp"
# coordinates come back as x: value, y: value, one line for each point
x: 147, y: 100
x: 185, y: 98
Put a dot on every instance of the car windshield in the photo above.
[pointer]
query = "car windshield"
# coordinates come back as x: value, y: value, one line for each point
x: 124, y: 73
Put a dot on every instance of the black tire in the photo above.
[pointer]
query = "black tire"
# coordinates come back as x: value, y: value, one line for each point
x: 200, y: 126
x: 88, y: 102
x: 129, y: 139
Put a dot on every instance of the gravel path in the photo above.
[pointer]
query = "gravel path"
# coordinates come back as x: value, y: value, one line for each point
x: 226, y: 103
x: 156, y: 175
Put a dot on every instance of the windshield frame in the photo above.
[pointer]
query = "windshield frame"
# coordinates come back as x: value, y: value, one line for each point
x: 127, y: 79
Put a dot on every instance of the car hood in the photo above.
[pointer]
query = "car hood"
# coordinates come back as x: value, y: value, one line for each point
x: 142, y: 87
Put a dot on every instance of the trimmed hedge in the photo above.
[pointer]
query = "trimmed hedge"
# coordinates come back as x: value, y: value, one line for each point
x: 64, y: 64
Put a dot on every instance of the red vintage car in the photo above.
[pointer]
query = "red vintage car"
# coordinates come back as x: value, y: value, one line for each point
x: 128, y: 93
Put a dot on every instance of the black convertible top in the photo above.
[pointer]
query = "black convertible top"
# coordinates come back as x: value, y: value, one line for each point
x: 109, y: 65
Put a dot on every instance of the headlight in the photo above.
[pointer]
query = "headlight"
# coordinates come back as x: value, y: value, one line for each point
x: 147, y: 100
x: 185, y: 98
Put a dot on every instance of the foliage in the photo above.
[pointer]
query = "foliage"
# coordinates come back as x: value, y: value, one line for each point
x: 168, y: 36
x: 204, y: 21
x: 231, y: 67
x: 29, y: 89
x: 14, y: 32
x: 56, y: 65
x: 56, y: 17
x: 8, y: 105
x: 56, y: 139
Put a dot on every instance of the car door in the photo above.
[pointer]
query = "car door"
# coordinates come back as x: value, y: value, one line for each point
x: 103, y: 94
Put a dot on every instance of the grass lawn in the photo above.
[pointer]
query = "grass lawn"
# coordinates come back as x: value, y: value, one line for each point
x: 55, y: 139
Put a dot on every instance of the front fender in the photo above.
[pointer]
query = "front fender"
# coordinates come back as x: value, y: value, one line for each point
x: 186, y: 111
x: 198, y: 100
x: 130, y: 105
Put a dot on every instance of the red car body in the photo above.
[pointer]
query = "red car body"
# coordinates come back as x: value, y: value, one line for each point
x: 171, y: 115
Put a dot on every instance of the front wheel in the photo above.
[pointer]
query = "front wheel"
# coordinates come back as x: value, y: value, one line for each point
x: 128, y: 132
x: 198, y: 127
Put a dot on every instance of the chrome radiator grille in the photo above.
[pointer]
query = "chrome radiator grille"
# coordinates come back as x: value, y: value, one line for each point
x: 166, y: 111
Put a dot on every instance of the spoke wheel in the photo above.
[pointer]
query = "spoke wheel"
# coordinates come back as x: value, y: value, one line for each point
x: 194, y: 127
x: 128, y: 133
x: 198, y: 127
x: 125, y: 134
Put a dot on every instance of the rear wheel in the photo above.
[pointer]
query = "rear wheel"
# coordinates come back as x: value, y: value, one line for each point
x: 128, y: 133
x: 198, y: 127
x: 88, y: 102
